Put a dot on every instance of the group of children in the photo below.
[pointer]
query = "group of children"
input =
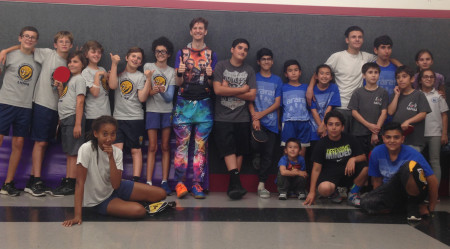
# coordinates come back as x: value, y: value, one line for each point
x: 245, y: 102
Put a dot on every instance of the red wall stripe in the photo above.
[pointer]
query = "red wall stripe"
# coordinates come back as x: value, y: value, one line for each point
x: 249, y: 7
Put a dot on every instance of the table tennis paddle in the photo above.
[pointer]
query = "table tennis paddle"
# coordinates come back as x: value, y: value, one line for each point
x: 408, y: 131
x: 61, y: 74
x: 259, y: 135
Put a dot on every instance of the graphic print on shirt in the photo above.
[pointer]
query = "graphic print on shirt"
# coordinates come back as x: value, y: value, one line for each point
x: 338, y: 153
x: 105, y: 85
x: 378, y: 100
x: 322, y: 102
x: 293, y: 165
x: 266, y: 91
x: 126, y: 88
x: 25, y: 72
x: 160, y: 80
x: 66, y: 87
x: 235, y: 79
x: 196, y: 63
x: 412, y: 107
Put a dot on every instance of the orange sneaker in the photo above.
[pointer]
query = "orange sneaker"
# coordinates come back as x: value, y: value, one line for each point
x: 181, y: 190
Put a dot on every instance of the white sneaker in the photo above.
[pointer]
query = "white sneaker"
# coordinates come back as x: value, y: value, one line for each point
x: 282, y: 196
x: 263, y: 193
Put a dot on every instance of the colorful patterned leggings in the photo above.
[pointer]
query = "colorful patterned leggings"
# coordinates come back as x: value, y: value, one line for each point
x: 183, y: 136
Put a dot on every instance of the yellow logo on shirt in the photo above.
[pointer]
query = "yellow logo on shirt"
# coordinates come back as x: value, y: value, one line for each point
x: 105, y: 84
x: 160, y: 80
x: 25, y: 72
x: 126, y: 87
x: 64, y: 91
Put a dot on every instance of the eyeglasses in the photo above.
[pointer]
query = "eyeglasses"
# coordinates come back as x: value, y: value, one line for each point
x: 163, y: 52
x: 428, y: 77
x: 29, y: 37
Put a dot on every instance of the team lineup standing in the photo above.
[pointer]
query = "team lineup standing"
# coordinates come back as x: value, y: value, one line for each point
x: 244, y: 101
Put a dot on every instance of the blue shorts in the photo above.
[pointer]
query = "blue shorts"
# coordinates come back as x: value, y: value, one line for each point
x: 43, y: 123
x: 18, y: 117
x: 156, y: 120
x: 130, y: 132
x: 123, y: 192
x: 301, y: 130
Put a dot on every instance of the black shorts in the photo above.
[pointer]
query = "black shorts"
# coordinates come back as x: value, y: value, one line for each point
x: 131, y: 133
x: 337, y: 175
x: 232, y: 138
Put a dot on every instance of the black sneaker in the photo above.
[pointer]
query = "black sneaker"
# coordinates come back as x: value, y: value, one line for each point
x: 66, y: 188
x: 9, y: 189
x: 412, y: 210
x: 36, y: 189
x: 236, y: 191
x: 29, y: 184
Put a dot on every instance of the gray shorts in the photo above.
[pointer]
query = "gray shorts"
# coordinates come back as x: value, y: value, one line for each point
x: 70, y: 145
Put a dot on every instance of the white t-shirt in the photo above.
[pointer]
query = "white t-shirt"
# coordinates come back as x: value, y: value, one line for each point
x: 433, y: 121
x: 97, y: 187
x: 347, y: 71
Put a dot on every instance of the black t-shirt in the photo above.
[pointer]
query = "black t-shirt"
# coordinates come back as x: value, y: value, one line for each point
x: 330, y: 153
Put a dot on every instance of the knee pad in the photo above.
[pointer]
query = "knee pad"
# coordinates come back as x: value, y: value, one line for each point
x: 418, y: 174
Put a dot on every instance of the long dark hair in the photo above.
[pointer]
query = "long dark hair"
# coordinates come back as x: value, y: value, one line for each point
x: 96, y: 125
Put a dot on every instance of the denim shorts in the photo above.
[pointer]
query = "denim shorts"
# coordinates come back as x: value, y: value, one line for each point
x: 123, y: 192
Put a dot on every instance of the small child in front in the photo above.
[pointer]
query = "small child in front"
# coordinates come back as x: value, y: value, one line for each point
x: 292, y: 171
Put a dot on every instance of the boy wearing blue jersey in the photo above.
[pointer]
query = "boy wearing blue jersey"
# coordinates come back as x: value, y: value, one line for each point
x: 382, y: 47
x: 401, y: 177
x: 295, y: 115
x: 264, y: 112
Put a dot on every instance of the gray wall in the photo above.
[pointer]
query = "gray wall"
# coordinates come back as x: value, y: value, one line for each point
x: 307, y: 38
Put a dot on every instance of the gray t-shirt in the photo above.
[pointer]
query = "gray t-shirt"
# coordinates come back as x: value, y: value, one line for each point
x: 162, y: 77
x: 45, y: 94
x: 20, y: 76
x: 96, y: 106
x: 232, y: 109
x: 68, y: 101
x: 408, y: 106
x: 98, y: 183
x: 127, y: 105
x: 369, y: 104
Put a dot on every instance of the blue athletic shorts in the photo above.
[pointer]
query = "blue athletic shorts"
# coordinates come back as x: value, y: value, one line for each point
x: 301, y: 130
x: 156, y: 120
x: 18, y: 117
x: 130, y: 132
x: 123, y: 192
x: 43, y: 123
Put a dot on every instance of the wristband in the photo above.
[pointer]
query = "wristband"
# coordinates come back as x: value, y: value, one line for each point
x: 179, y: 75
x: 95, y: 86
